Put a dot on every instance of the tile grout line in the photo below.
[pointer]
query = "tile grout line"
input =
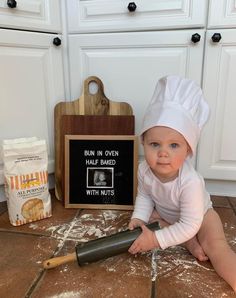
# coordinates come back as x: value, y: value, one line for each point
x: 62, y: 241
x: 154, y: 273
x: 57, y: 250
x: 153, y: 289
x: 35, y: 284
x: 231, y: 205
x: 23, y: 233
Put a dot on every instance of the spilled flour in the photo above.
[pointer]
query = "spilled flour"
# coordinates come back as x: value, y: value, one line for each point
x: 69, y: 294
x: 87, y: 227
x: 177, y: 266
x: 154, y: 265
x: 173, y: 265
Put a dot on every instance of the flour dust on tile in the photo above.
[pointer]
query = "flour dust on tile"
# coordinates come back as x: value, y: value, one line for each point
x: 180, y: 267
x: 70, y: 294
x: 80, y: 229
x: 131, y: 266
x: 89, y: 226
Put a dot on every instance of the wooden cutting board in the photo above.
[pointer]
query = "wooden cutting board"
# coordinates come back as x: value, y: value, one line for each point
x: 91, y: 114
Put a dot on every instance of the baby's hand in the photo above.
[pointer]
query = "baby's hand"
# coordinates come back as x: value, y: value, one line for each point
x: 145, y: 242
x: 134, y: 223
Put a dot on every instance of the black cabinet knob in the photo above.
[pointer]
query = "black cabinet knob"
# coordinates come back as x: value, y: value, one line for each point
x: 132, y: 6
x: 216, y: 37
x: 11, y: 3
x: 57, y: 41
x: 195, y: 37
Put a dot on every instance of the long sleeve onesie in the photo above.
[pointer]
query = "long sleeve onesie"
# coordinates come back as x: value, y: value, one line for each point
x: 181, y: 202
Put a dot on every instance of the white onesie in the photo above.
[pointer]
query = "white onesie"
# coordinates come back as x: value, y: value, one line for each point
x: 181, y: 202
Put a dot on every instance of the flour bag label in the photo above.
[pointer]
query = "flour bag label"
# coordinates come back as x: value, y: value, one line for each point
x: 26, y: 180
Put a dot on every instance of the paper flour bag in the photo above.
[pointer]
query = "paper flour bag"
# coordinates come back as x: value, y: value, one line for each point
x: 26, y: 180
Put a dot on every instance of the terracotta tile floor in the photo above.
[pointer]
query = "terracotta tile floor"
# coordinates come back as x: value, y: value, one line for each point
x: 165, y: 274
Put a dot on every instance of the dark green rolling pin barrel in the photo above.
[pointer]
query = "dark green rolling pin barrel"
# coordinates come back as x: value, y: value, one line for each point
x: 100, y: 248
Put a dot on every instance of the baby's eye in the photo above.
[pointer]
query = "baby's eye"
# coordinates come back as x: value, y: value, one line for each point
x: 174, y: 145
x: 154, y: 145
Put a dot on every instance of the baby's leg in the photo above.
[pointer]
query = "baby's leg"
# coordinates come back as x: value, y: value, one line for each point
x: 212, y: 239
x: 156, y: 217
x: 194, y: 247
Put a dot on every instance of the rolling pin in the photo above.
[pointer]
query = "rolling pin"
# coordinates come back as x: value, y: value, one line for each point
x: 100, y: 248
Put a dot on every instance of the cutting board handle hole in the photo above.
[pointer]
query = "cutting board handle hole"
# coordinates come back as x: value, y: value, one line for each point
x: 93, y: 87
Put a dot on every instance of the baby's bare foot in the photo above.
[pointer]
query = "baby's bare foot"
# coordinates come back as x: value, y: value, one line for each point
x: 195, y: 249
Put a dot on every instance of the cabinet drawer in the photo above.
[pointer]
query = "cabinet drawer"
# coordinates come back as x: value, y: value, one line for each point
x: 115, y: 15
x: 222, y: 14
x: 36, y: 15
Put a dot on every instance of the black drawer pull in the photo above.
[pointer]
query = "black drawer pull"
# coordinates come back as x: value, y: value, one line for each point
x: 216, y: 37
x: 132, y: 6
x: 195, y: 37
x: 11, y: 3
x: 57, y: 41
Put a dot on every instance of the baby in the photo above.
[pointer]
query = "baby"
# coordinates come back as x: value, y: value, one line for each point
x: 99, y: 178
x: 169, y: 188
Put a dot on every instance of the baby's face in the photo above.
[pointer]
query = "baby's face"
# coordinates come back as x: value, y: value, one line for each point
x: 102, y: 177
x: 165, y: 150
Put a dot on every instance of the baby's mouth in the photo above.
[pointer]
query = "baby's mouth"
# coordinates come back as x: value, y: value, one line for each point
x: 163, y: 163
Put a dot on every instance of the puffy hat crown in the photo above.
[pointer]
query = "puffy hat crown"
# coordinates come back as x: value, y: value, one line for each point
x: 177, y: 103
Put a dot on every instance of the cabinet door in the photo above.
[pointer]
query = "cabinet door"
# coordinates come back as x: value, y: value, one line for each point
x: 39, y: 15
x: 129, y: 64
x: 222, y: 14
x: 31, y: 83
x: 217, y: 153
x: 120, y: 15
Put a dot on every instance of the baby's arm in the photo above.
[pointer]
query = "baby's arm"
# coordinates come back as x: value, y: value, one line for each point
x: 146, y: 241
x: 191, y: 215
x: 191, y: 212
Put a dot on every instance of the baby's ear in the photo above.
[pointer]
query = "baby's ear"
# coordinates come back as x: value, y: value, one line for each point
x: 189, y: 151
x: 142, y: 138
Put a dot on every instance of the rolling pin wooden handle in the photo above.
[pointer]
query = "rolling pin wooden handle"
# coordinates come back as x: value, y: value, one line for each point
x: 54, y: 262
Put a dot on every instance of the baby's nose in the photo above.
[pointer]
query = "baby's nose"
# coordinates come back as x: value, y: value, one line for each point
x: 163, y: 153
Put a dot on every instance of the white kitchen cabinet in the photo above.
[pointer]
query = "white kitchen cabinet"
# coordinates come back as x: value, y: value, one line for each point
x: 36, y: 15
x: 217, y: 154
x: 120, y: 15
x: 129, y: 64
x: 222, y: 14
x: 129, y: 51
x: 31, y: 83
x: 216, y: 151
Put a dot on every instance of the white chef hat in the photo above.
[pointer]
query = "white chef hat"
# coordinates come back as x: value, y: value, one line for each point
x: 177, y: 103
